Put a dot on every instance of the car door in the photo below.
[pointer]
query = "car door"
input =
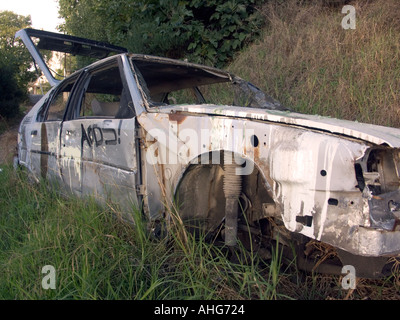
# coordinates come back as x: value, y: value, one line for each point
x: 98, y: 136
x: 45, y: 132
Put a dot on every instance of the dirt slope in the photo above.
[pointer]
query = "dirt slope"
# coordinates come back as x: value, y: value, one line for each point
x: 8, y: 145
x: 8, y: 139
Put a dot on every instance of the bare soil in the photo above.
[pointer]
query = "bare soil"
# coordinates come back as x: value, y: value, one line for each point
x: 8, y: 145
x: 8, y: 139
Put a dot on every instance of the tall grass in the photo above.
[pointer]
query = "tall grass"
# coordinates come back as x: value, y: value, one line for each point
x: 98, y: 256
x: 308, y: 62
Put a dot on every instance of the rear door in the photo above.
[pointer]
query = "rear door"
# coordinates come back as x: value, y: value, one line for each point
x: 45, y: 132
x: 98, y: 136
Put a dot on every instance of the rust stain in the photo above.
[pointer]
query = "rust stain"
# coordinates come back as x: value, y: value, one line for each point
x: 163, y: 180
x: 257, y: 152
x: 44, y: 148
x: 177, y: 117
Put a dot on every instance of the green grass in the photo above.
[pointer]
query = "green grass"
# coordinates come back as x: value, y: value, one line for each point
x: 97, y: 256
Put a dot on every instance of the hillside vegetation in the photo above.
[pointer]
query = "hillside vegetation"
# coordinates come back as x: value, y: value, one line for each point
x: 307, y: 61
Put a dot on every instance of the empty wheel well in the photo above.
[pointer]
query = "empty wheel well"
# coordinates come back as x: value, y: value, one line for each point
x: 201, y: 200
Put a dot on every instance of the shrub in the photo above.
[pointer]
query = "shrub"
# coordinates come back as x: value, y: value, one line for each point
x: 10, y: 94
x: 204, y: 31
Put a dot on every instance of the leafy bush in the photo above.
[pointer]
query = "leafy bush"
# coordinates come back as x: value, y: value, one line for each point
x: 10, y: 94
x: 203, y: 31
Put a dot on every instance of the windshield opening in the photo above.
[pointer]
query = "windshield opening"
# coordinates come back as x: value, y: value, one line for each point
x: 166, y: 82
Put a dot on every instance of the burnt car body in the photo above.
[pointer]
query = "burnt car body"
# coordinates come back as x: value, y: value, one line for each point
x: 157, y: 132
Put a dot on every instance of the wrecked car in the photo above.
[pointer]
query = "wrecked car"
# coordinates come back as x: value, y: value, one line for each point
x: 160, y: 133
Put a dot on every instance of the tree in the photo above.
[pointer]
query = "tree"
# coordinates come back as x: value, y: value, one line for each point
x: 10, y: 94
x: 15, y: 63
x: 205, y: 31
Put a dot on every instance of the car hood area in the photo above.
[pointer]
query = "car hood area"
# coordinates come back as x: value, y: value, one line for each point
x: 374, y: 134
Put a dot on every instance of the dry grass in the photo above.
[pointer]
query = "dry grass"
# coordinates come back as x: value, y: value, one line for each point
x: 308, y: 62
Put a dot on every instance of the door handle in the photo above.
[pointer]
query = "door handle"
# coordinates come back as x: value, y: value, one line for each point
x: 34, y: 133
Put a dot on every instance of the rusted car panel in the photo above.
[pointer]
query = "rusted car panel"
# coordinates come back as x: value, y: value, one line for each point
x: 309, y: 174
x: 139, y: 130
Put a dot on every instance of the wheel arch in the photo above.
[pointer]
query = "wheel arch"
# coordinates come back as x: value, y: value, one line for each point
x: 200, y: 183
